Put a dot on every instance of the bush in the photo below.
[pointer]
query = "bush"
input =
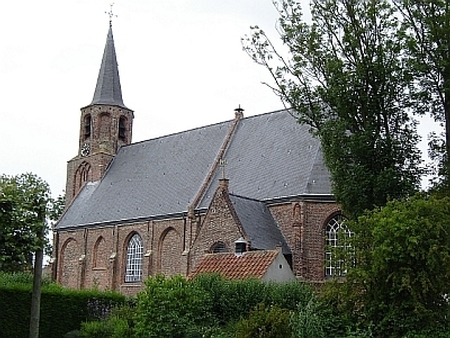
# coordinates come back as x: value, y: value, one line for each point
x: 171, y: 307
x: 307, y: 321
x: 403, y: 266
x: 62, y: 310
x: 267, y: 322
x: 111, y: 328
x: 233, y: 298
x: 288, y: 295
x: 119, y: 323
x: 20, y: 278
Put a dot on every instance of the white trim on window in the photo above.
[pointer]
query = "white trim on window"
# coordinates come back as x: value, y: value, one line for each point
x: 336, y: 235
x: 135, y: 249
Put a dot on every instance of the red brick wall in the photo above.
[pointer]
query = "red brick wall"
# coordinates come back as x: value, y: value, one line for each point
x: 68, y: 274
x: 170, y: 253
x: 302, y: 224
x: 104, y: 143
x: 219, y: 224
x: 97, y: 256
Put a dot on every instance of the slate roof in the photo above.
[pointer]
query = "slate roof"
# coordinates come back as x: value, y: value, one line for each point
x: 269, y: 157
x: 259, y: 224
x: 250, y: 264
x: 108, y: 89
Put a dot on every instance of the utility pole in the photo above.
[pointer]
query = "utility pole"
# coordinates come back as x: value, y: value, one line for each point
x: 37, y: 280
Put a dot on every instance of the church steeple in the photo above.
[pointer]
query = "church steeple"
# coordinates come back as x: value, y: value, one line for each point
x: 108, y: 89
x: 105, y: 125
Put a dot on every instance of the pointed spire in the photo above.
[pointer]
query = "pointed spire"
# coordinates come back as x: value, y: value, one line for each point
x: 108, y: 90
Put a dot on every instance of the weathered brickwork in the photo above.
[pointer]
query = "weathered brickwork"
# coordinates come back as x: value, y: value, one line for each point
x: 303, y: 225
x: 312, y: 239
x: 105, y: 128
x: 70, y: 255
x: 170, y: 253
x: 219, y: 224
x: 97, y: 257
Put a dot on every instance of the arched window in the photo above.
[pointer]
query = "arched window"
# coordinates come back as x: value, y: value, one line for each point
x: 82, y: 175
x: 219, y: 247
x: 337, y: 247
x: 133, y: 271
x: 122, y: 128
x: 87, y: 126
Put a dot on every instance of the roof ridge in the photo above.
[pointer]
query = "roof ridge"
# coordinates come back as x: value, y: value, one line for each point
x: 288, y: 110
x: 209, y: 176
x: 206, y: 126
x: 178, y: 133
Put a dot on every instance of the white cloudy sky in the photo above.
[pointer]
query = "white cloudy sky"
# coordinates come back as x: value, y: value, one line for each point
x: 181, y: 66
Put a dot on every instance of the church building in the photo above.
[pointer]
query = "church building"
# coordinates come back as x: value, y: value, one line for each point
x: 199, y: 200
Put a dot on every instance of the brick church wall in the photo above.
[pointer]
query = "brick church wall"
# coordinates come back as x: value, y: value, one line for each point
x: 218, y: 225
x: 98, y: 251
x: 96, y: 164
x: 168, y: 247
x: 96, y: 257
x: 302, y: 224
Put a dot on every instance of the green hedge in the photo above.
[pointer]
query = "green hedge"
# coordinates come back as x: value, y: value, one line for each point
x: 176, y: 307
x: 232, y: 299
x: 62, y: 310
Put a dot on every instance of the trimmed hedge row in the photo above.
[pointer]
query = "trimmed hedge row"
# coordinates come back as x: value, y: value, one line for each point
x: 62, y: 310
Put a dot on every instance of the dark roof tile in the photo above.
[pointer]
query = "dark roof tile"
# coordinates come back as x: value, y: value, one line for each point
x: 270, y: 156
x: 108, y: 89
x: 259, y: 224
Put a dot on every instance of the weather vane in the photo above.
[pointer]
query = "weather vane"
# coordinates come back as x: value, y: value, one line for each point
x: 110, y: 13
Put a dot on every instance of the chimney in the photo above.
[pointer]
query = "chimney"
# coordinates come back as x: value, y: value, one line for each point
x: 240, y: 247
x: 239, y: 112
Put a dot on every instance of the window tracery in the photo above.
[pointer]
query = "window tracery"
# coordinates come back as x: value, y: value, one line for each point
x: 135, y: 249
x: 337, y: 245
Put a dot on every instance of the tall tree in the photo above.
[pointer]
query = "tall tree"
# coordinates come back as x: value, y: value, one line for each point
x: 401, y: 280
x: 24, y: 203
x: 344, y: 76
x: 427, y: 37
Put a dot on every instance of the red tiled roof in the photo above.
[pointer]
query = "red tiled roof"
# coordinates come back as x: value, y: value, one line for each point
x: 229, y: 265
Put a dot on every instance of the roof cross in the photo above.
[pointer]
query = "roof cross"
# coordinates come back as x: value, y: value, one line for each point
x: 110, y: 13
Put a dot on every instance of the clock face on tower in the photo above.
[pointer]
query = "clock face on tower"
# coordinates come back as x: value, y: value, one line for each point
x: 85, y: 149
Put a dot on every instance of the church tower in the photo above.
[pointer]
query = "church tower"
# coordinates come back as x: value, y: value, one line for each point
x: 105, y: 125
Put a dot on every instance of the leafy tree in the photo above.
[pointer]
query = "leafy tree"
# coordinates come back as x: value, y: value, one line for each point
x: 427, y: 40
x: 270, y: 322
x: 344, y: 76
x: 171, y: 307
x: 25, y: 203
x: 401, y: 281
